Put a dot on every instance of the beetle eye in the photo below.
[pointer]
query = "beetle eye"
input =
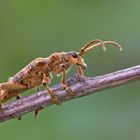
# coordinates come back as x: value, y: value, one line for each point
x: 74, y: 54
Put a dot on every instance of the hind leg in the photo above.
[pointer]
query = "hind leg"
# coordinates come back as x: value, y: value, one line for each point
x: 12, y: 86
x: 3, y: 94
x: 9, y: 90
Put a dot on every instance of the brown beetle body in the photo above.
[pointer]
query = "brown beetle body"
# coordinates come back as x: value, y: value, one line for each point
x: 38, y: 71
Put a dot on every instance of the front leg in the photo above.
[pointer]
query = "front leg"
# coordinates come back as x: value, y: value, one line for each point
x: 80, y: 70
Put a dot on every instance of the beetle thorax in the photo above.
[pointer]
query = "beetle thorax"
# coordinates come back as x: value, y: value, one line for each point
x: 57, y: 61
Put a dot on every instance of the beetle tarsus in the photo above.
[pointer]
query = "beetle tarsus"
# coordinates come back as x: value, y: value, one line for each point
x: 18, y: 97
x: 36, y: 113
x: 19, y: 118
x: 1, y: 108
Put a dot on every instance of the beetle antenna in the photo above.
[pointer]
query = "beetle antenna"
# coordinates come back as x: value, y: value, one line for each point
x: 95, y: 43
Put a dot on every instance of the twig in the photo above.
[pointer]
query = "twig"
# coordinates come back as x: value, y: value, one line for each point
x: 81, y: 86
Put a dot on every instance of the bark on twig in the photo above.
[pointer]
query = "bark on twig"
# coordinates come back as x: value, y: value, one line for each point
x: 81, y: 86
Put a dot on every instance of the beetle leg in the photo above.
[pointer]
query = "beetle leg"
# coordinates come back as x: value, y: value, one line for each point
x: 12, y: 86
x: 64, y: 85
x: 2, y: 94
x: 0, y: 100
x: 1, y: 109
x: 80, y: 70
x: 63, y: 80
x: 37, y: 111
x: 37, y: 89
x: 19, y: 97
x: 45, y: 82
x: 6, y: 88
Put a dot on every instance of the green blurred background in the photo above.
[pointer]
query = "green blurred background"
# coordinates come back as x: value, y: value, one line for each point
x: 30, y: 29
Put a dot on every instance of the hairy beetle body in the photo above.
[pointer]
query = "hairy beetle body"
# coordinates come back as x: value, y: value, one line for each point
x: 38, y: 72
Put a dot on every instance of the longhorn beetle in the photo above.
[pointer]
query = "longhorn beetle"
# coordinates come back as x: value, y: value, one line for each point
x: 38, y: 72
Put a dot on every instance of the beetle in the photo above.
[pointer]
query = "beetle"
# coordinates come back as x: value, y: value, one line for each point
x: 39, y: 72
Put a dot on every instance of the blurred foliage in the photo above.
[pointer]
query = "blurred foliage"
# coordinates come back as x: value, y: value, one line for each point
x: 30, y: 29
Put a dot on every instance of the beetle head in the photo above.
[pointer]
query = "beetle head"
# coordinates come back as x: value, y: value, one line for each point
x: 74, y: 58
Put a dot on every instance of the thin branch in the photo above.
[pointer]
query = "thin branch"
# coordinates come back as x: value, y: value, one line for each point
x: 81, y: 86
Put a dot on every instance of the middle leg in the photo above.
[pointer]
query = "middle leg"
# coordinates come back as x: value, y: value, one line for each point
x: 64, y: 84
x: 45, y: 82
